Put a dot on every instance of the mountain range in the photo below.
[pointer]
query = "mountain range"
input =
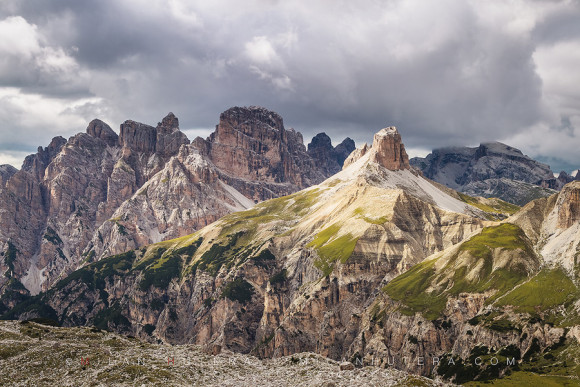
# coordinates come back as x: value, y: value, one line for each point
x: 99, y: 193
x: 289, y: 249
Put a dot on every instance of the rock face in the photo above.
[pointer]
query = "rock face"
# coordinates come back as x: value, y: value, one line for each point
x: 569, y: 206
x: 99, y: 129
x: 329, y: 158
x: 99, y: 193
x: 389, y: 151
x: 357, y: 154
x: 251, y: 143
x: 492, y: 169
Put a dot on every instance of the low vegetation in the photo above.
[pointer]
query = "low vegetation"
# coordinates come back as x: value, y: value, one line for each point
x: 238, y: 290
x: 411, y: 287
x: 550, y: 288
x: 496, y: 209
x: 332, y: 249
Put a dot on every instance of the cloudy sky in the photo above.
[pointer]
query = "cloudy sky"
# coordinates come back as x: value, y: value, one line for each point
x: 445, y: 72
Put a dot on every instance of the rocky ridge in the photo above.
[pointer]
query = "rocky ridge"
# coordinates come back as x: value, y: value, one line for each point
x: 329, y: 158
x: 99, y: 193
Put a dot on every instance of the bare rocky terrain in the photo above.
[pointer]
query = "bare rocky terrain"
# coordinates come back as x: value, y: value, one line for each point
x: 32, y: 354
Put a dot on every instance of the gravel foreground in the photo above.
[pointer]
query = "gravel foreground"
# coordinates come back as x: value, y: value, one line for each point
x: 32, y: 354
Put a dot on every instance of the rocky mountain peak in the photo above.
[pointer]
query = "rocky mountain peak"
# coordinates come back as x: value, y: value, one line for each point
x: 164, y: 140
x: 246, y: 126
x: 36, y: 163
x: 138, y: 136
x: 388, y: 150
x: 492, y: 169
x: 497, y: 148
x: 329, y: 158
x: 252, y: 144
x: 250, y: 119
x: 169, y: 123
x: 99, y: 129
x: 569, y: 205
x: 6, y: 172
x: 344, y: 149
x: 169, y: 137
x: 321, y: 140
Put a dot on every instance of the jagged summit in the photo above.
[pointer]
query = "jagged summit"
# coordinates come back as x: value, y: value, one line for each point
x: 329, y: 158
x: 387, y: 150
x: 170, y: 121
x: 99, y: 129
x: 255, y: 118
x: 251, y: 143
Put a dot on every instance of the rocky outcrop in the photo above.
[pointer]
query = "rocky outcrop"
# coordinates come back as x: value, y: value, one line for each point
x: 99, y: 129
x: 355, y: 155
x: 251, y: 143
x: 328, y: 158
x: 492, y: 169
x: 388, y: 150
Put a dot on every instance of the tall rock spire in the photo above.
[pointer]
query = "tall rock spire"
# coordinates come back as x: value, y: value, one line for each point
x: 389, y: 151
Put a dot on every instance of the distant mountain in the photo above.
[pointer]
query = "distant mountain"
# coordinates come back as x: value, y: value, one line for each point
x: 329, y: 158
x: 490, y: 170
x: 101, y: 193
x: 560, y: 181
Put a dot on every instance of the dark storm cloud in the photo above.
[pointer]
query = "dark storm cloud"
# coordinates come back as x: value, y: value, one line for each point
x: 449, y: 72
